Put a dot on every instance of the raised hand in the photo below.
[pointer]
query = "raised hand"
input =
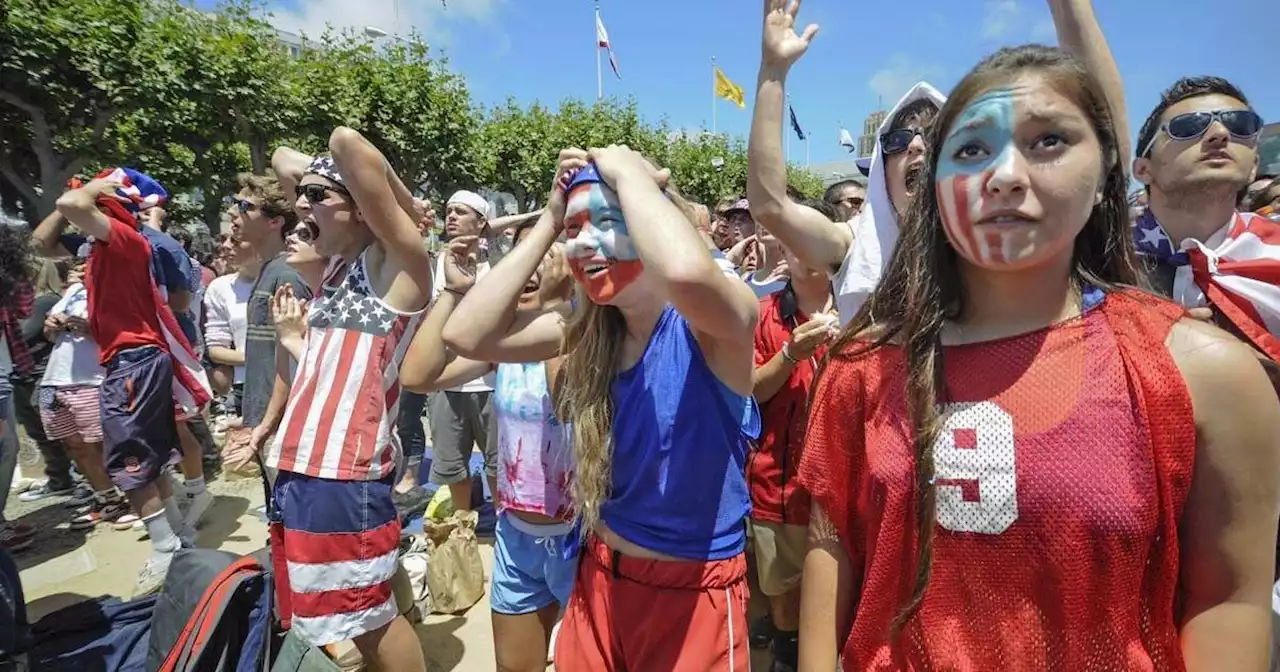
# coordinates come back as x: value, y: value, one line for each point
x: 460, y: 264
x: 618, y: 163
x: 781, y: 46
x: 288, y: 313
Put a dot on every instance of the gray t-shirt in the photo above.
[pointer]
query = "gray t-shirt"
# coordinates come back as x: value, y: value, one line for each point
x: 260, y: 337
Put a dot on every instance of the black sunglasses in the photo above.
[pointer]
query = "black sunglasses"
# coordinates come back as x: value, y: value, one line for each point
x: 305, y: 232
x: 244, y: 206
x: 897, y: 141
x: 316, y: 193
x: 1242, y: 124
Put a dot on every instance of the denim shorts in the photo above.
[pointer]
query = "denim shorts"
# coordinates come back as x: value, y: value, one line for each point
x: 529, y: 567
x: 6, y: 397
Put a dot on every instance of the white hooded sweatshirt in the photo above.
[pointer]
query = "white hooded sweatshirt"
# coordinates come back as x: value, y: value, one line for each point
x: 875, y: 230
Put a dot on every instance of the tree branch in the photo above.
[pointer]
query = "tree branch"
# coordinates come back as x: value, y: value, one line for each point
x: 100, y: 122
x: 7, y: 170
x: 19, y: 103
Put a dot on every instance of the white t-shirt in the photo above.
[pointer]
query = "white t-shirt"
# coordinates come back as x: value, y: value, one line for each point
x: 73, y: 360
x: 486, y: 382
x: 226, y: 304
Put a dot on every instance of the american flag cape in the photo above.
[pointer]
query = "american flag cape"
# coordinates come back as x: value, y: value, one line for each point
x: 1240, y: 276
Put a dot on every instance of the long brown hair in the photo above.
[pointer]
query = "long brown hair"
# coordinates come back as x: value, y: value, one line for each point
x: 592, y: 343
x: 922, y: 287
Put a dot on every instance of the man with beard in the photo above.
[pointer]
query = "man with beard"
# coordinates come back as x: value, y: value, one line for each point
x: 335, y: 530
x: 1198, y: 151
x: 856, y: 254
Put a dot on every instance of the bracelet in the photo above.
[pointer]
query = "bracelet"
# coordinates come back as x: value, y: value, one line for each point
x: 786, y: 353
x: 455, y: 292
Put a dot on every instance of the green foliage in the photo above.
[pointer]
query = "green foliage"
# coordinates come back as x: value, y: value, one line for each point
x: 194, y: 98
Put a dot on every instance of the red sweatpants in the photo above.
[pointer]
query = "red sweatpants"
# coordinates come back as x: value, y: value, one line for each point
x: 633, y: 615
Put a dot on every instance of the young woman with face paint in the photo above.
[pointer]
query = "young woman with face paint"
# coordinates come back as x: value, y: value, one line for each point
x: 657, y: 384
x: 532, y: 577
x: 1016, y: 461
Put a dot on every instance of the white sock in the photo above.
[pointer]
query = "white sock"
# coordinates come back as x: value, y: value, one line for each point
x: 194, y: 486
x: 186, y: 536
x: 164, y: 543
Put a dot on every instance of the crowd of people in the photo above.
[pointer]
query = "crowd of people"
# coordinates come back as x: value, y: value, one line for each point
x: 981, y: 410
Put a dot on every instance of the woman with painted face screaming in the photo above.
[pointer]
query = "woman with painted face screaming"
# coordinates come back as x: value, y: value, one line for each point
x: 1016, y: 460
x: 657, y: 384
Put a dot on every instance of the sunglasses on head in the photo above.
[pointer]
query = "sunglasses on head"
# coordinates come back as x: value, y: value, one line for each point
x: 897, y: 141
x: 316, y: 193
x: 1241, y: 124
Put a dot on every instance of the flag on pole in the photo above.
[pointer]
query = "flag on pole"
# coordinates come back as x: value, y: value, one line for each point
x: 846, y: 140
x: 602, y: 42
x: 728, y: 90
x: 795, y: 123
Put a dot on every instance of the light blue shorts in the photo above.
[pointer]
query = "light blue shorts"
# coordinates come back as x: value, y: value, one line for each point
x: 529, y: 567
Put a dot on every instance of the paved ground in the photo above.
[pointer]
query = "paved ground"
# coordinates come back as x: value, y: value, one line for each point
x: 65, y: 566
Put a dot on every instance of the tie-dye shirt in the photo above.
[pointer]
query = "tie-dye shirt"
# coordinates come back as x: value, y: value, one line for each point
x: 536, y: 461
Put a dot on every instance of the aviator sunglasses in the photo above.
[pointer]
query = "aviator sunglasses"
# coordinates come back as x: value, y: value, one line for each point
x: 1241, y: 124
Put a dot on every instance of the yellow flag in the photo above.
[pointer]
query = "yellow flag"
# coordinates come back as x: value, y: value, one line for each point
x: 728, y: 90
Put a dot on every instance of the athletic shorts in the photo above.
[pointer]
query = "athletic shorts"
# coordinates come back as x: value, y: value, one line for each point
x: 634, y: 614
x: 68, y: 410
x: 529, y: 568
x: 779, y: 555
x: 334, y: 547
x: 139, y: 435
x: 460, y: 420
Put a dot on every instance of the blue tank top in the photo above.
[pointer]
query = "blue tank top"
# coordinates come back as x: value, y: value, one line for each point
x: 680, y: 444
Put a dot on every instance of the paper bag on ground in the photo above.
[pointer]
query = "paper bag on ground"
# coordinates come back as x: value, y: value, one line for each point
x: 455, y: 577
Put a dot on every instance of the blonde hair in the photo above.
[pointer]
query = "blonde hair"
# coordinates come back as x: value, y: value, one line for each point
x: 592, y: 343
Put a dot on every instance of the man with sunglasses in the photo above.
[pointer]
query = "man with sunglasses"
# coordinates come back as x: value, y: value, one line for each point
x: 261, y: 218
x: 335, y: 531
x: 1196, y: 152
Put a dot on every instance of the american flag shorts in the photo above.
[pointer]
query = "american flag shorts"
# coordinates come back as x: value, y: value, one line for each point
x: 334, y: 548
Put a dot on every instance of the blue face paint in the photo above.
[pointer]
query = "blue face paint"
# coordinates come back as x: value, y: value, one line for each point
x: 984, y: 131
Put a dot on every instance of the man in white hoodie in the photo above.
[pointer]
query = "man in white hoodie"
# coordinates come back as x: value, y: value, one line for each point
x: 857, y: 253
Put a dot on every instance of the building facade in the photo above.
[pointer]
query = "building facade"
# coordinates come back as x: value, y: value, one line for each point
x: 870, y: 130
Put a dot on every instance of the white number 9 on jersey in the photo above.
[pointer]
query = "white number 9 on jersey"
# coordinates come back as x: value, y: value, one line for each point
x: 973, y: 456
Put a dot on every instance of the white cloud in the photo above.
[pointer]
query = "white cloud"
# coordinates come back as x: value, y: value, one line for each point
x: 896, y: 78
x: 1000, y: 17
x: 435, y: 22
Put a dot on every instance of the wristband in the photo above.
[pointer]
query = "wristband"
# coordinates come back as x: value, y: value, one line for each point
x: 455, y: 292
x: 786, y: 353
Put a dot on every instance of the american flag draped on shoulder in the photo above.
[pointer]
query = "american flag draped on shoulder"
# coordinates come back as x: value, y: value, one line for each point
x: 137, y: 192
x: 1240, y: 276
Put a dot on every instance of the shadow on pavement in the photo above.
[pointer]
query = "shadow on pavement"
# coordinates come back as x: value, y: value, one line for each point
x: 440, y: 646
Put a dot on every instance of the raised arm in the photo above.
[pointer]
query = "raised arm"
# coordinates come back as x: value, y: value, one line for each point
x: 388, y: 209
x: 1228, y: 528
x: 46, y: 239
x: 717, y: 306
x: 80, y: 207
x: 289, y: 165
x: 1080, y: 35
x: 429, y: 365
x: 807, y: 232
x: 486, y: 325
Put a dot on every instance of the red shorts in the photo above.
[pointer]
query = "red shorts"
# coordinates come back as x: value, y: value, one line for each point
x: 630, y: 614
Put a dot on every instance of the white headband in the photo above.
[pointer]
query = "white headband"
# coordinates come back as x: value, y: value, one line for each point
x: 472, y: 200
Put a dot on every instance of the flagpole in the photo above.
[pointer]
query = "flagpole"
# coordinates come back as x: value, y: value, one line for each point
x: 806, y: 150
x: 599, y: 72
x: 713, y: 95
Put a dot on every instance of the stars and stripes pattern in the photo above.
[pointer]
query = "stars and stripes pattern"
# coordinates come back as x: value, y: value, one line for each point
x: 345, y: 397
x: 1240, y: 276
x: 602, y: 42
x: 138, y: 191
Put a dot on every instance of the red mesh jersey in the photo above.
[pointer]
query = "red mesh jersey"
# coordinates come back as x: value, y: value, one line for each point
x: 1056, y: 541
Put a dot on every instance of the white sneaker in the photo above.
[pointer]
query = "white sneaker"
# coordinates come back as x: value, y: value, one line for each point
x: 151, y: 580
x: 194, y: 509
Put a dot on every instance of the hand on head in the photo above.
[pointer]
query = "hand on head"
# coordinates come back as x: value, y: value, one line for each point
x: 619, y: 163
x: 571, y: 161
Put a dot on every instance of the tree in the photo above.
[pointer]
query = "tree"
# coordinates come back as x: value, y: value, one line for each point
x: 67, y: 68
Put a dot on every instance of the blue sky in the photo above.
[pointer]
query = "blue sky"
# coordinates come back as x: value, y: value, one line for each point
x: 543, y: 49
